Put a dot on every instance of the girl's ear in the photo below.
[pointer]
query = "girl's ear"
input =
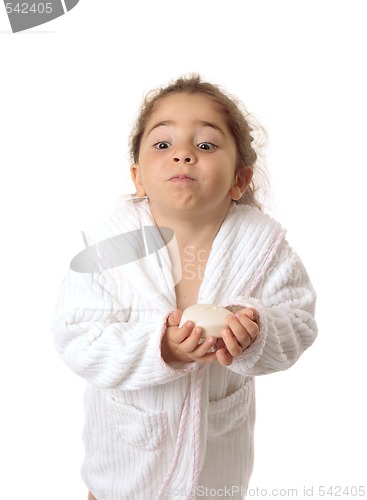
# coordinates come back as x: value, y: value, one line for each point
x: 136, y: 178
x: 241, y: 182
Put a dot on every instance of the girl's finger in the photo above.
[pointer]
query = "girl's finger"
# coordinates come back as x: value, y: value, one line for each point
x: 184, y: 332
x: 231, y: 342
x: 250, y: 326
x: 203, y: 347
x: 192, y: 340
x: 239, y: 328
x: 224, y: 357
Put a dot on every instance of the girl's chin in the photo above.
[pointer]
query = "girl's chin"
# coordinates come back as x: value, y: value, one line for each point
x: 187, y: 203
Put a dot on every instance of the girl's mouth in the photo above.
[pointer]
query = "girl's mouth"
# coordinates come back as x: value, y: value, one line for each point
x: 182, y: 178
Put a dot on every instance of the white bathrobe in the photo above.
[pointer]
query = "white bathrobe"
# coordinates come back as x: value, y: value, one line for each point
x: 155, y: 431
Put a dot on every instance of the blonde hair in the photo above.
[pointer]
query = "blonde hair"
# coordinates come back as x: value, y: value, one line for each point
x: 237, y: 119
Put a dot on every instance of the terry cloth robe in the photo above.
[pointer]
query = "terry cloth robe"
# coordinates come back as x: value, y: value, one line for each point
x: 155, y: 431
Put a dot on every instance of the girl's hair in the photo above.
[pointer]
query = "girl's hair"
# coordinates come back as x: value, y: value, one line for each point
x: 235, y: 115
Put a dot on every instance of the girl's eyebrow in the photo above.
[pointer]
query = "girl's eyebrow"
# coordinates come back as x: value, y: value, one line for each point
x: 160, y: 124
x: 212, y: 125
x: 199, y: 122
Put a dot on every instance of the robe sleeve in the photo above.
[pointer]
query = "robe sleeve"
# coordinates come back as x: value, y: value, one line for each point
x: 108, y: 342
x: 285, y: 300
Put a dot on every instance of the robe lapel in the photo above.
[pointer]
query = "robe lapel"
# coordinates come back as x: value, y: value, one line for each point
x: 240, y: 255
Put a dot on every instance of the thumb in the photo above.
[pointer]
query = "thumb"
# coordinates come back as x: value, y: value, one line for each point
x: 174, y: 318
x: 252, y: 313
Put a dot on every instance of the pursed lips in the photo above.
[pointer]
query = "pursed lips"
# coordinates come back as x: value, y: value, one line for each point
x: 181, y: 177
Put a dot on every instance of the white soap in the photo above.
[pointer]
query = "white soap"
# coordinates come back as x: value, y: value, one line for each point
x: 212, y: 319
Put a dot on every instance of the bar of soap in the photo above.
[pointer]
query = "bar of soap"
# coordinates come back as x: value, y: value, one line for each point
x: 212, y: 319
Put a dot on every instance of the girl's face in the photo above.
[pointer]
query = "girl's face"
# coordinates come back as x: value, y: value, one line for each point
x: 187, y: 159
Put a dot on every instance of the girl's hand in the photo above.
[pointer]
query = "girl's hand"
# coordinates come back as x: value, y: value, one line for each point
x: 182, y: 344
x: 242, y: 330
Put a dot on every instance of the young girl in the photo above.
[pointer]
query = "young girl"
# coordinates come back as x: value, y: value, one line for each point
x: 168, y: 414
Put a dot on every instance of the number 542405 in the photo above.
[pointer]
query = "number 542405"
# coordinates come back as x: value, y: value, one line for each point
x: 26, y: 8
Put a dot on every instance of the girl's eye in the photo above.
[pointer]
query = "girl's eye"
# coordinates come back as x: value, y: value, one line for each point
x: 162, y: 145
x: 207, y: 146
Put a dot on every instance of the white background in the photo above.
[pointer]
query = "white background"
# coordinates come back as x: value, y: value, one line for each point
x: 69, y: 92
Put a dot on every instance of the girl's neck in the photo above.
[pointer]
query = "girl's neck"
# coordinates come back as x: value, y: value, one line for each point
x: 189, y: 230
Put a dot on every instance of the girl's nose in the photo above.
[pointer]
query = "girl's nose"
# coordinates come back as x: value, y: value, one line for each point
x: 179, y: 158
x: 184, y: 155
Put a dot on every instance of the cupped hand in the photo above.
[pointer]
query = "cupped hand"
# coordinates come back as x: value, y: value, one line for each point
x: 184, y: 344
x: 242, y: 330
